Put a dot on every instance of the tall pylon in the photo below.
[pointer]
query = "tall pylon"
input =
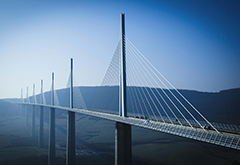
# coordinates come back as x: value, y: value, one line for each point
x: 123, y: 132
x: 122, y: 87
x: 33, y: 114
x: 26, y: 107
x: 71, y: 150
x: 51, y: 150
x: 41, y: 124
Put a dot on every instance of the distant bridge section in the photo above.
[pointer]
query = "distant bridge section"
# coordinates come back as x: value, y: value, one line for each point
x: 228, y: 137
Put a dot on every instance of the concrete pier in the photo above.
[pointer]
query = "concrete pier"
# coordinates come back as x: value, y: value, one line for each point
x: 41, y: 128
x: 41, y: 124
x: 51, y: 150
x: 71, y: 148
x: 71, y: 152
x: 33, y: 132
x: 26, y: 108
x: 21, y: 106
x: 123, y: 134
x: 26, y: 113
x: 123, y: 144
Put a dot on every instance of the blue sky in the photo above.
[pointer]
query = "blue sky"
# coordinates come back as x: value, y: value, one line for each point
x: 194, y: 44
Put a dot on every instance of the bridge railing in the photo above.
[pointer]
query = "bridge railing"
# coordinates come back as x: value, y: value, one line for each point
x: 228, y: 137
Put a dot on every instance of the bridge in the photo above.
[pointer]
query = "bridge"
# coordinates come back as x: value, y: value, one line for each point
x: 133, y: 93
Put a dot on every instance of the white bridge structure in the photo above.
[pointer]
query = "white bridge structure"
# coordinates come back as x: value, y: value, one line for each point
x: 133, y: 92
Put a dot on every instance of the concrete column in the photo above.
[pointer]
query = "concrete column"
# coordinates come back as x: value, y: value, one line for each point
x: 41, y: 126
x: 21, y: 106
x: 33, y: 132
x: 26, y: 112
x: 26, y: 108
x: 71, y: 150
x: 123, y: 83
x: 123, y: 137
x: 51, y: 150
x: 123, y: 144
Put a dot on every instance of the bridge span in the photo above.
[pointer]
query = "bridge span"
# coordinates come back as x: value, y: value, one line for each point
x: 154, y: 107
x: 227, y: 138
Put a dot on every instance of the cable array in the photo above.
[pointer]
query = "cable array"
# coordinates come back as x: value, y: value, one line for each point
x: 44, y: 99
x: 35, y: 99
x: 56, y: 100
x: 65, y: 101
x: 78, y: 101
x: 108, y: 93
x: 150, y: 95
x: 153, y: 95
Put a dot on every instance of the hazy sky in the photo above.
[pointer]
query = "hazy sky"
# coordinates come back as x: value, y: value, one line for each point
x: 194, y: 44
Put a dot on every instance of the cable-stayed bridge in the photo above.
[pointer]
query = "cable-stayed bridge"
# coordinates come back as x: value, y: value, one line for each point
x: 133, y: 92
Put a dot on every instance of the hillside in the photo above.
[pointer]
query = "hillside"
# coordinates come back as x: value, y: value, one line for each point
x: 95, y: 136
x: 223, y: 106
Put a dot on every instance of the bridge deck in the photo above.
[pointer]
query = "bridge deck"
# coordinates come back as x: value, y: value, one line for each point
x: 227, y: 139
